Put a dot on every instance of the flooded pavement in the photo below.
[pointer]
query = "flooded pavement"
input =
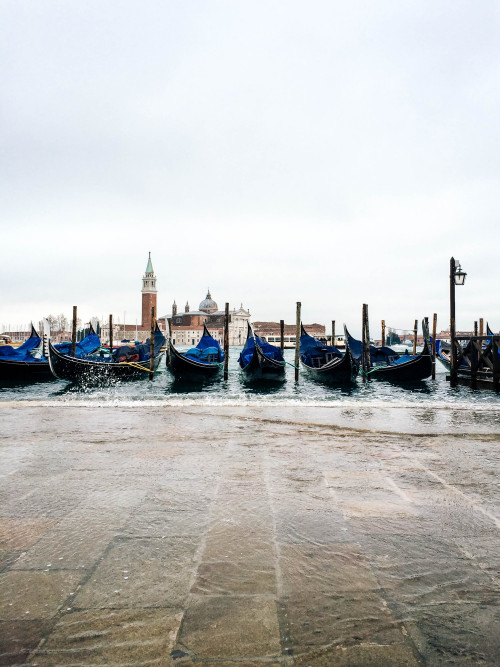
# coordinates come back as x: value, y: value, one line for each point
x: 143, y: 535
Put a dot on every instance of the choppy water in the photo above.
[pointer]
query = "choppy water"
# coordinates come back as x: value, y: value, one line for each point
x: 148, y: 523
x: 235, y: 392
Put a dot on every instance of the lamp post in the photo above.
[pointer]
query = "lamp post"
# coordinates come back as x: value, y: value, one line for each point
x: 457, y: 277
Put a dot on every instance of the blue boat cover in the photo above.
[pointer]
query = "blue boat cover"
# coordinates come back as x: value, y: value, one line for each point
x: 208, y: 351
x: 311, y: 347
x: 30, y: 349
x: 269, y: 351
x: 85, y: 347
x: 22, y: 353
x: 378, y: 355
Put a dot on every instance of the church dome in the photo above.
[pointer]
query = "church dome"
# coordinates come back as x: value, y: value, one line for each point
x: 208, y: 305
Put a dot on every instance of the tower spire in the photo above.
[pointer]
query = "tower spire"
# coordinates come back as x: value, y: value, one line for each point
x: 149, y: 267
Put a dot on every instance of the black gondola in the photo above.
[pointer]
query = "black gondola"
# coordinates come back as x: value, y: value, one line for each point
x: 386, y: 364
x: 27, y: 363
x: 443, y: 352
x: 201, y: 362
x: 326, y: 362
x: 126, y: 362
x: 259, y: 360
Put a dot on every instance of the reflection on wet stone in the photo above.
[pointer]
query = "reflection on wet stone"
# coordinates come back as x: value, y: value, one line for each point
x: 238, y: 537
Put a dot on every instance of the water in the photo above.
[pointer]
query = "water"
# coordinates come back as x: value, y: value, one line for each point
x: 166, y: 390
x: 151, y: 523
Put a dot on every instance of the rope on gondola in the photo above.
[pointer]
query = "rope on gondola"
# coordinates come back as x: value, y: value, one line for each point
x: 135, y: 365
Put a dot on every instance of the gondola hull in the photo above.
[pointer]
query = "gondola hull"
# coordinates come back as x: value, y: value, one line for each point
x: 25, y: 371
x: 392, y: 368
x: 337, y: 371
x: 263, y: 369
x: 184, y: 368
x: 85, y: 371
x: 413, y: 370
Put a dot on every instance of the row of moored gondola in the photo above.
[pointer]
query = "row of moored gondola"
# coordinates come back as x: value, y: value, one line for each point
x: 259, y: 360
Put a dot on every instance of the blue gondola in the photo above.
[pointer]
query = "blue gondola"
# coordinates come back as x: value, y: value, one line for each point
x: 27, y: 363
x: 386, y: 364
x: 326, y: 362
x: 259, y: 360
x: 201, y: 362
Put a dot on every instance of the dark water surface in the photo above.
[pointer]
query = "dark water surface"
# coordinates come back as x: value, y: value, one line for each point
x: 149, y: 524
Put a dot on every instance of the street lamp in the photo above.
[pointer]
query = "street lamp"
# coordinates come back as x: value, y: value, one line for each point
x: 457, y: 277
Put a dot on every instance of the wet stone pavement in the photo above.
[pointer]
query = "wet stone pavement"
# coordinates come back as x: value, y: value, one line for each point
x: 144, y: 536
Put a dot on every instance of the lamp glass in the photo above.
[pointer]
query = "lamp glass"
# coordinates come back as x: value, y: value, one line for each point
x: 460, y: 277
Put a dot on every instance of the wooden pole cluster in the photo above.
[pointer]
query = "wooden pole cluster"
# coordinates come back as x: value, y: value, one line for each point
x: 152, y: 345
x: 226, y: 341
x: 434, y: 327
x: 73, y: 333
x: 282, y: 335
x: 297, y: 340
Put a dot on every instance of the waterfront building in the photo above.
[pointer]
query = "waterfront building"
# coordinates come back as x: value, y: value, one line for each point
x: 187, y: 327
x: 272, y: 333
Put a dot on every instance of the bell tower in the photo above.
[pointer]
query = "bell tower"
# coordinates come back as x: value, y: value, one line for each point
x: 148, y: 294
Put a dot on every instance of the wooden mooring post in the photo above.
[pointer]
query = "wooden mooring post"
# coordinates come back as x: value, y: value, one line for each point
x: 434, y: 327
x: 152, y: 345
x: 333, y: 332
x: 282, y: 335
x: 226, y: 341
x: 477, y: 362
x: 383, y: 333
x: 415, y: 329
x: 297, y: 340
x: 73, y: 333
x: 111, y: 334
x: 365, y: 354
x: 169, y: 335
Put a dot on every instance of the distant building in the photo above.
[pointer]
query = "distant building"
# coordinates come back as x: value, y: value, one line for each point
x: 271, y: 332
x: 187, y: 327
x: 148, y: 301
x: 149, y: 293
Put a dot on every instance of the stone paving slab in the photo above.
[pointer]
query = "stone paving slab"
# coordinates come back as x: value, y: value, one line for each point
x: 243, y: 628
x: 337, y: 620
x: 19, y: 638
x: 66, y: 550
x: 34, y: 595
x: 111, y: 637
x: 363, y: 655
x: 141, y: 573
x: 230, y: 578
x: 324, y: 569
x: 240, y: 543
x: 17, y: 534
x: 458, y: 634
x: 321, y: 526
x: 152, y: 521
x: 8, y: 558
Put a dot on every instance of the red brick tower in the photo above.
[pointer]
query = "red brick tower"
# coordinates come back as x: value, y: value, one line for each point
x: 148, y: 294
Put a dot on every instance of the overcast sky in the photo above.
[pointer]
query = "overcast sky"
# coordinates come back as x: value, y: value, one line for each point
x: 330, y: 152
